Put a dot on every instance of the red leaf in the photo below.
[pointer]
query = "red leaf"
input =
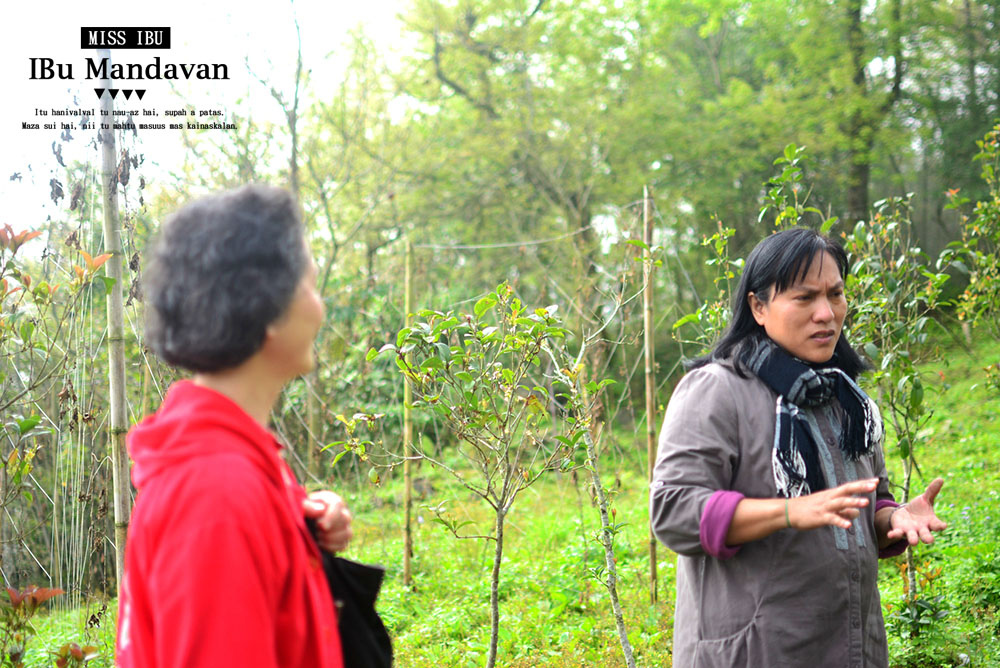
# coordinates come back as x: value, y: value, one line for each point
x: 15, y: 241
x: 26, y: 236
x: 94, y: 263
x: 42, y: 594
x: 99, y: 260
x: 16, y: 597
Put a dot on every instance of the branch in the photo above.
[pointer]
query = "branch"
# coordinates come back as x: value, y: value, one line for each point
x: 457, y: 88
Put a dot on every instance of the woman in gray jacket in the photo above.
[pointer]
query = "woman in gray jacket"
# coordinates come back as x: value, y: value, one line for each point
x: 770, y: 481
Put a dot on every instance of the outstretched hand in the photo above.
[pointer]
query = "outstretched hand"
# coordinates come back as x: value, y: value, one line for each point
x: 916, y: 520
x: 333, y: 520
x: 837, y: 507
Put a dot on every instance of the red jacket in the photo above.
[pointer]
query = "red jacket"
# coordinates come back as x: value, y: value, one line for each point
x: 219, y: 567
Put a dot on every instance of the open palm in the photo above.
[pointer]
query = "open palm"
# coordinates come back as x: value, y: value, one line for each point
x: 916, y: 520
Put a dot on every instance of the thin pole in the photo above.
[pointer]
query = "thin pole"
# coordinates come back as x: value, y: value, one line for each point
x: 408, y: 432
x: 116, y: 324
x: 647, y: 317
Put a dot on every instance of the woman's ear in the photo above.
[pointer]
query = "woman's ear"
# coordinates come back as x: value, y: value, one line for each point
x: 757, y: 308
x: 270, y: 332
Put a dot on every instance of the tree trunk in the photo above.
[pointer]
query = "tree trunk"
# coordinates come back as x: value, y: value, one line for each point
x: 865, y: 118
x: 859, y: 131
x: 911, y: 570
x: 609, y: 550
x: 858, y: 175
x: 118, y: 423
x: 647, y: 318
x: 495, y: 590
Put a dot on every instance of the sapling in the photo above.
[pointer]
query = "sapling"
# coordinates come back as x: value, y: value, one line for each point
x: 481, y: 373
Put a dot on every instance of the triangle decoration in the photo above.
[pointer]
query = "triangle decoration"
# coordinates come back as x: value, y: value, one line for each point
x: 100, y: 92
x: 127, y: 92
x: 139, y: 92
x: 114, y: 92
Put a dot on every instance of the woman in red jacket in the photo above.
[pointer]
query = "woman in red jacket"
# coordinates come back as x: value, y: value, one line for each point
x: 220, y: 567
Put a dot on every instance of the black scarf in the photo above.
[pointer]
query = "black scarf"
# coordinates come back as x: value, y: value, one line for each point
x: 795, y: 458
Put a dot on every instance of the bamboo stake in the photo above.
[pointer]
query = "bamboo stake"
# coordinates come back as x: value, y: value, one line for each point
x: 116, y: 325
x: 407, y: 432
x: 647, y: 317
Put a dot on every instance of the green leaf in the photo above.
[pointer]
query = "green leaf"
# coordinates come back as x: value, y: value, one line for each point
x: 27, y: 424
x: 372, y: 354
x: 484, y: 305
x: 638, y: 242
x: 27, y: 329
x: 447, y: 323
x: 904, y: 447
x: 401, y: 337
x: 958, y: 264
x: 432, y: 363
x: 916, y: 394
x: 109, y: 283
x: 690, y: 317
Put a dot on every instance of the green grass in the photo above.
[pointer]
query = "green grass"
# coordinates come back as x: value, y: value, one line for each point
x: 92, y: 624
x: 554, y: 613
x: 962, y: 445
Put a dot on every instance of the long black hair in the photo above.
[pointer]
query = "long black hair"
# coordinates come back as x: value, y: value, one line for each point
x: 775, y: 264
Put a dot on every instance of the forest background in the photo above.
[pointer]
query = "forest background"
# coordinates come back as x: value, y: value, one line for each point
x: 510, y: 144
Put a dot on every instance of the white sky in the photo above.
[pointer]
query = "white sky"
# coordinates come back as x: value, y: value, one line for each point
x: 209, y: 31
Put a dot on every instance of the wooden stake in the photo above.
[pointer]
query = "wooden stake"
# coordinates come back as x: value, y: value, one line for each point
x: 116, y: 324
x: 407, y: 433
x: 647, y: 317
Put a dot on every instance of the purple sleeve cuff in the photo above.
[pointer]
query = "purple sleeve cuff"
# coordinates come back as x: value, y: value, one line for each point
x: 897, y: 548
x: 715, y: 521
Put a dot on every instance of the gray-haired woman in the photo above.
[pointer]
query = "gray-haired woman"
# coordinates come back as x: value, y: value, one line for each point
x: 221, y: 569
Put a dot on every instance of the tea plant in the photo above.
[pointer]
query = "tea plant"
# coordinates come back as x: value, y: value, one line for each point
x: 15, y: 622
x: 482, y: 376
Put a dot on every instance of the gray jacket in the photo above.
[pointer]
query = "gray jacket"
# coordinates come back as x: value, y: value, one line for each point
x: 794, y: 598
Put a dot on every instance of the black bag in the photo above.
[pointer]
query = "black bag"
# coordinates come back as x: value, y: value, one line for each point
x: 355, y: 587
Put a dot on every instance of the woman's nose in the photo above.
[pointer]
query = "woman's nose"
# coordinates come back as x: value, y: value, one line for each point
x: 824, y: 310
